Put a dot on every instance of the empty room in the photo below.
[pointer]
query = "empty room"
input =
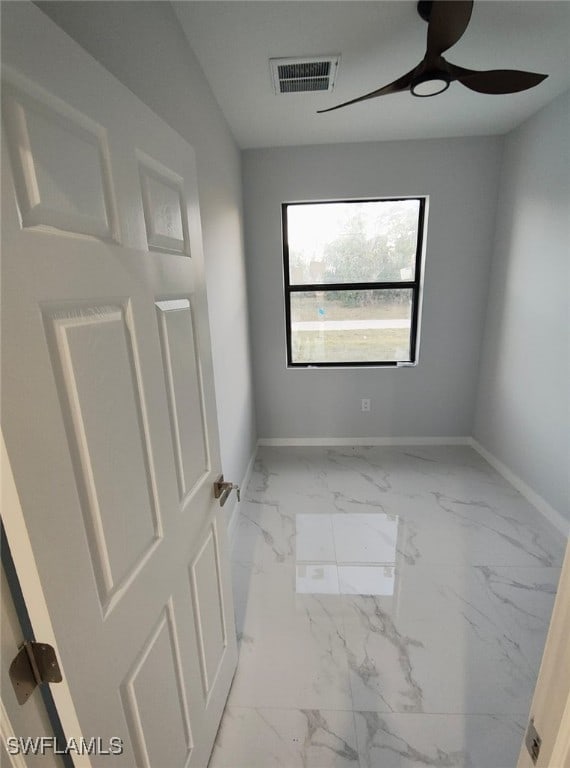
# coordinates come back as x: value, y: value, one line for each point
x: 285, y: 384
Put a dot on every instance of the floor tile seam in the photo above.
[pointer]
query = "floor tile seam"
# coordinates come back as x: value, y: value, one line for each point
x: 439, y: 564
x: 502, y: 564
x: 258, y: 562
x: 360, y: 751
x: 479, y: 563
x: 290, y: 560
x: 361, y: 710
x: 442, y: 713
x: 342, y: 620
x: 293, y: 709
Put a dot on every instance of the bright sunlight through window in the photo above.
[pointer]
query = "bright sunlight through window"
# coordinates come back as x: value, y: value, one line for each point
x: 352, y: 281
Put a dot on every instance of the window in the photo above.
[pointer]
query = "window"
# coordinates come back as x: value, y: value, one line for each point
x: 352, y: 281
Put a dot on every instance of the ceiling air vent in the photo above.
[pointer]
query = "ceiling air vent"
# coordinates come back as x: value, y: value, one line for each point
x: 303, y: 75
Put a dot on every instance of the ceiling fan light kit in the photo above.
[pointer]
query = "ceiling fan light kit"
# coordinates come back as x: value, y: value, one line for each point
x: 430, y: 85
x: 447, y: 21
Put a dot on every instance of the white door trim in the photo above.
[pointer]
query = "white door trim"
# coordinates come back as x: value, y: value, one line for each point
x: 561, y: 750
x: 21, y: 549
x: 7, y: 732
x: 550, y: 708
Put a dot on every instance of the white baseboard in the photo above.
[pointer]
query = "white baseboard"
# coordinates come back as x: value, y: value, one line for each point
x: 552, y: 515
x: 362, y: 441
x: 233, y: 521
x: 547, y: 511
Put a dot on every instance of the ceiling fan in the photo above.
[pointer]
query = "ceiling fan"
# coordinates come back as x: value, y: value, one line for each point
x: 447, y: 21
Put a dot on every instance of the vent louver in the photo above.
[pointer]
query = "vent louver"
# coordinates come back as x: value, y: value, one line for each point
x: 304, y: 75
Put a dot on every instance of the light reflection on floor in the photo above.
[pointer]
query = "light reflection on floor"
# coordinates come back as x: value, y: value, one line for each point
x: 338, y: 555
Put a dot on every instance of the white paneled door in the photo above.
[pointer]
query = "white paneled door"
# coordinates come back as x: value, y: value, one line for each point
x: 108, y: 407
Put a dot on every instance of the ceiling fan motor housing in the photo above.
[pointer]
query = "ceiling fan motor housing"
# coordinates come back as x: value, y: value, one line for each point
x: 424, y: 9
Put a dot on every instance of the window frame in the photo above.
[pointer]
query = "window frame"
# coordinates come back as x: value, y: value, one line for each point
x: 415, y: 285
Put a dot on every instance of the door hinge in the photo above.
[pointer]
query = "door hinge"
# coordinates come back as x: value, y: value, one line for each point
x: 34, y: 663
x: 222, y: 490
x: 533, y: 741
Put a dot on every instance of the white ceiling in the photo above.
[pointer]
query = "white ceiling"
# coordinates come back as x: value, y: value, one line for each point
x: 378, y: 42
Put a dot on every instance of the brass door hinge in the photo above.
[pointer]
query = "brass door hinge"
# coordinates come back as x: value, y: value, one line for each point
x: 533, y: 741
x: 34, y: 663
x: 222, y: 490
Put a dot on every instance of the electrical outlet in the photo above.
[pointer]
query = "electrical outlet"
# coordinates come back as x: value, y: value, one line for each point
x: 365, y: 405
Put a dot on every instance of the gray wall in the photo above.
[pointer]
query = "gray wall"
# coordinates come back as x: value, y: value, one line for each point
x: 436, y: 398
x: 523, y: 410
x: 143, y: 45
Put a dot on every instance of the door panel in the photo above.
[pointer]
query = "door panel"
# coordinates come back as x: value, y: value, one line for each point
x: 61, y: 165
x: 184, y: 392
x: 108, y: 406
x: 157, y: 675
x: 109, y: 437
x: 208, y: 599
x: 164, y: 205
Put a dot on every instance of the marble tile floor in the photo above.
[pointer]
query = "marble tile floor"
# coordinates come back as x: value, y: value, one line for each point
x: 392, y: 606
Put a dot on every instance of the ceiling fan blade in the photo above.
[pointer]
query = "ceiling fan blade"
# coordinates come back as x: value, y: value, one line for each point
x: 448, y: 21
x: 496, y: 80
x: 401, y: 84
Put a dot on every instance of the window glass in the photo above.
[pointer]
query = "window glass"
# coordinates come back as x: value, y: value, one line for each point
x: 349, y: 326
x: 352, y: 281
x: 352, y: 242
